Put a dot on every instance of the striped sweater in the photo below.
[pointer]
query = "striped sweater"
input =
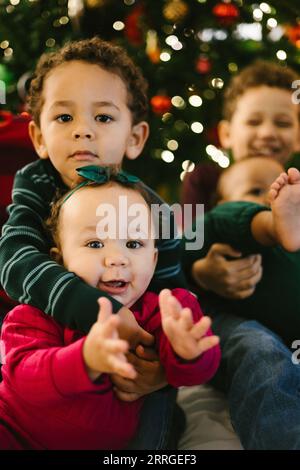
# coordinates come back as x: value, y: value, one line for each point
x: 29, y: 276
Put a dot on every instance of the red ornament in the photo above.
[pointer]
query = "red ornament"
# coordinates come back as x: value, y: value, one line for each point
x: 160, y: 104
x: 293, y: 33
x: 203, y: 65
x: 133, y: 29
x: 226, y: 13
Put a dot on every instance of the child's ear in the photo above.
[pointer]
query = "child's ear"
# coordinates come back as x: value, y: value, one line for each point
x: 155, y: 256
x: 37, y: 140
x: 137, y: 140
x: 55, y: 254
x: 224, y: 131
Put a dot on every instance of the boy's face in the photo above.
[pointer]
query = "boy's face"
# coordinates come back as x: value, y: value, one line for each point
x: 265, y: 123
x: 121, y: 266
x: 249, y: 180
x: 85, y: 120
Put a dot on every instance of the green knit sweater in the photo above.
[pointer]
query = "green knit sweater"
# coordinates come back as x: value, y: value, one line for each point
x: 276, y: 299
x: 29, y: 276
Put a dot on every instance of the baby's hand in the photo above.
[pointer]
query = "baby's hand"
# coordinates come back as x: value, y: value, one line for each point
x: 186, y: 338
x: 103, y: 350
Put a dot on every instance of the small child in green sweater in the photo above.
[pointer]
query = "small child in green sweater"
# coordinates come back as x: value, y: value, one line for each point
x: 251, y: 227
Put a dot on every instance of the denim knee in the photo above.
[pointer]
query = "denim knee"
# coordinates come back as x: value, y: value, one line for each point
x: 252, y: 346
x: 252, y: 335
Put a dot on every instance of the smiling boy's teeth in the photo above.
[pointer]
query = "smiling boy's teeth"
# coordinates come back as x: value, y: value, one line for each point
x: 266, y: 151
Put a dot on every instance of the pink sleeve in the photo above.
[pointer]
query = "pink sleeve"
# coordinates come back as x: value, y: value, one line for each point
x: 180, y: 372
x: 37, y: 364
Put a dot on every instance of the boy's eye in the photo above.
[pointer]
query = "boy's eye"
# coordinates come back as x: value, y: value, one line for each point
x: 253, y: 122
x: 95, y: 244
x: 103, y: 118
x: 283, y: 124
x: 134, y: 244
x: 64, y: 118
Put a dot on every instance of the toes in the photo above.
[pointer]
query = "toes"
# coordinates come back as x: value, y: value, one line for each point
x: 293, y: 175
x: 272, y: 194
x: 283, y: 179
x: 276, y: 186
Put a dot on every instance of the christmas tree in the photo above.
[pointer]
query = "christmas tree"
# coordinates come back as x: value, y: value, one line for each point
x: 187, y: 49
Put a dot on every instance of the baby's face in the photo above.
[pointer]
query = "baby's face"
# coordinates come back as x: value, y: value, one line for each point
x: 99, y: 242
x: 249, y: 180
x: 85, y: 120
x: 264, y: 124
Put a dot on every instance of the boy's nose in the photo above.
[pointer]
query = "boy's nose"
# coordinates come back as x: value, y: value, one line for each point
x: 82, y: 132
x: 267, y: 129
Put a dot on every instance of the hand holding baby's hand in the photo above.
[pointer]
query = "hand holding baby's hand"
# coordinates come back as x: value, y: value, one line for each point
x: 103, y: 350
x: 234, y: 278
x: 187, y: 339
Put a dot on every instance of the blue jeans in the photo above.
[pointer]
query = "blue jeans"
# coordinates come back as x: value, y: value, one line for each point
x: 158, y: 429
x: 261, y: 382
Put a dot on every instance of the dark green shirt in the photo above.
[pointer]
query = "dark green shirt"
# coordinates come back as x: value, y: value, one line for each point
x: 29, y: 275
x: 276, y: 299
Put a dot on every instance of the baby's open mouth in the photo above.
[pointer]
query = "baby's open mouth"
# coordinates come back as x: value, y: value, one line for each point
x: 115, y: 283
x: 115, y: 286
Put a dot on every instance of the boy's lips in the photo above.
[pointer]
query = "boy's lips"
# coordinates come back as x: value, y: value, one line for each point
x: 114, y: 287
x: 83, y: 155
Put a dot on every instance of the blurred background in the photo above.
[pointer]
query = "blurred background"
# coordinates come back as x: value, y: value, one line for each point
x: 187, y: 49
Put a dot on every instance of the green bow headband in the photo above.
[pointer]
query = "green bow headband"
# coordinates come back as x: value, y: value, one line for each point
x: 101, y: 175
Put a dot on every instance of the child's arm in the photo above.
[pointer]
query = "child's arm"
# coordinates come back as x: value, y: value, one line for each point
x: 37, y: 364
x: 168, y: 272
x: 30, y: 276
x: 198, y: 348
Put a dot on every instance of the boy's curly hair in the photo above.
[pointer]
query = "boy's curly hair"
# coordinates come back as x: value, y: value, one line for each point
x: 93, y: 51
x: 259, y: 73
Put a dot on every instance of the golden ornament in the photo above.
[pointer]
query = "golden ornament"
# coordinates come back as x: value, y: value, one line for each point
x: 175, y: 10
x: 95, y: 3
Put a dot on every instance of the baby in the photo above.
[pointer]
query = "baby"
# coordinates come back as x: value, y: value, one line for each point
x: 251, y: 227
x: 62, y: 374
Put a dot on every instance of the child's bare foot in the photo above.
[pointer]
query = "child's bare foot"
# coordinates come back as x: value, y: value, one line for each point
x: 284, y: 196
